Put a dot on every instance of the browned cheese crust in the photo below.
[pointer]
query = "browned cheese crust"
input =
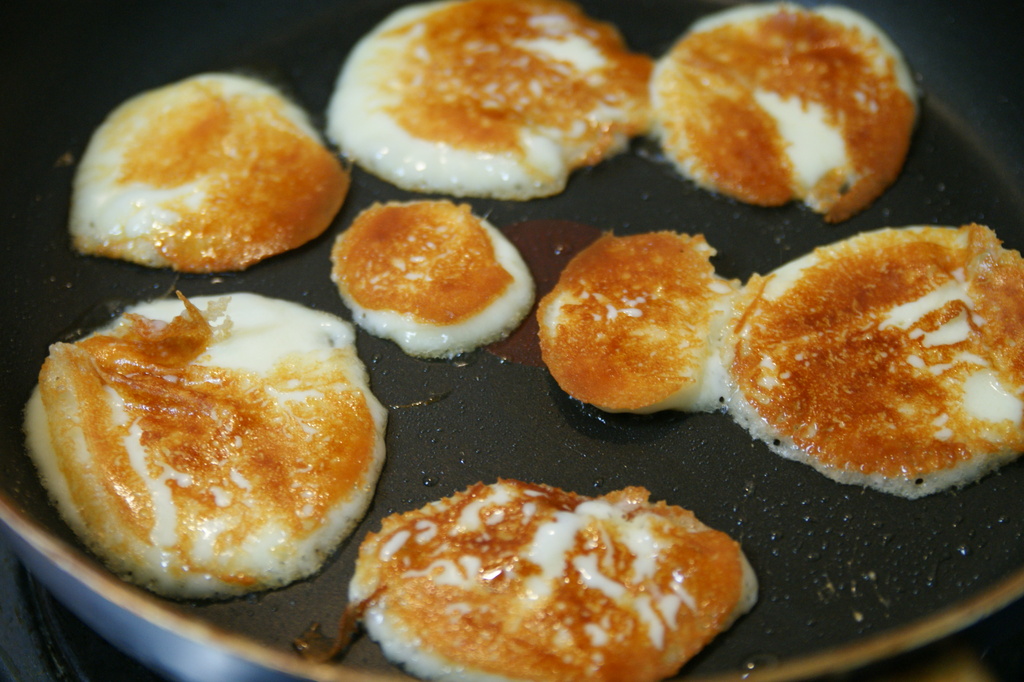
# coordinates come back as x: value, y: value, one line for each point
x: 827, y: 366
x: 456, y: 578
x: 629, y: 323
x: 199, y: 419
x: 431, y: 260
x: 482, y: 88
x: 269, y: 186
x: 708, y: 95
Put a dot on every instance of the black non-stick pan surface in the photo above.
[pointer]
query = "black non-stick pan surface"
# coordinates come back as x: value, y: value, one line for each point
x: 841, y: 568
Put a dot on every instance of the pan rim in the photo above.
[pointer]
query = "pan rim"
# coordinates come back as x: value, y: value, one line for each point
x: 961, y: 613
x: 876, y: 648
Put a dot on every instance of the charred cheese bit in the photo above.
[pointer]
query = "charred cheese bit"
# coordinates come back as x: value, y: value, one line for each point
x: 771, y: 102
x: 206, y: 461
x: 210, y: 174
x: 631, y: 324
x: 515, y: 581
x: 491, y: 98
x: 431, y: 276
x: 891, y: 359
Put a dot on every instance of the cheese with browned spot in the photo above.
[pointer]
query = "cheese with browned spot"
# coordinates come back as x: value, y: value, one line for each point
x: 891, y: 359
x: 431, y: 276
x: 208, y: 454
x: 213, y: 173
x: 517, y: 581
x: 768, y: 103
x: 488, y: 98
x: 632, y: 322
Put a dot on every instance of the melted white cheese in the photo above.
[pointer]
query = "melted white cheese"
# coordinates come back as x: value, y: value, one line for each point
x: 814, y: 146
x: 572, y: 49
x: 586, y: 566
x: 359, y: 123
x: 955, y: 331
x: 550, y: 549
x: 395, y: 543
x: 907, y: 314
x: 987, y: 398
x: 814, y: 140
x: 263, y: 332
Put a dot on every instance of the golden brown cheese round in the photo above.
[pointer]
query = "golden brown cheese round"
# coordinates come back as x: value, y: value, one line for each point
x: 736, y: 93
x: 890, y: 359
x: 484, y: 82
x: 431, y: 276
x: 631, y: 323
x: 201, y: 461
x: 213, y: 173
x: 529, y: 582
x: 488, y: 97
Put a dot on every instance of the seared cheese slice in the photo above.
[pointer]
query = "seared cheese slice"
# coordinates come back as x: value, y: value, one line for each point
x: 488, y: 98
x: 209, y: 454
x: 213, y: 173
x: 890, y: 359
x: 772, y: 102
x: 431, y: 276
x: 516, y: 581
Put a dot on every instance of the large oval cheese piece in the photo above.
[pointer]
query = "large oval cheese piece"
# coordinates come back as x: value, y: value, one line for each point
x: 208, y: 454
x: 488, y: 98
x: 516, y: 581
x: 891, y: 359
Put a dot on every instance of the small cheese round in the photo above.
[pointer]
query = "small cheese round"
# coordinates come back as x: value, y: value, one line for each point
x: 890, y: 359
x: 772, y: 102
x: 210, y: 174
x: 632, y: 323
x: 516, y: 581
x: 208, y: 461
x: 488, y: 98
x: 431, y: 276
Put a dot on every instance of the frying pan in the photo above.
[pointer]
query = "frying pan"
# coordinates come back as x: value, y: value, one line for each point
x: 848, y: 576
